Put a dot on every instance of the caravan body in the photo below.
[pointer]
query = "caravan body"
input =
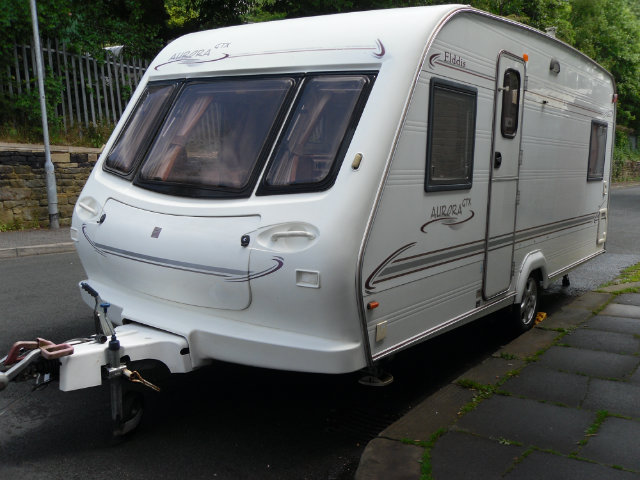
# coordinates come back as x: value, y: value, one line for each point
x: 315, y: 194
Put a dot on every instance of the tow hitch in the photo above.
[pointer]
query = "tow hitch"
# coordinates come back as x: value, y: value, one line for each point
x: 86, y: 362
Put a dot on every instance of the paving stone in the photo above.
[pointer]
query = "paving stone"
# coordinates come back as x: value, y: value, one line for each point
x: 539, y: 383
x: 589, y: 362
x: 491, y: 370
x: 436, y: 412
x: 615, y: 397
x: 383, y: 459
x: 566, y: 318
x: 619, y: 310
x: 529, y: 343
x: 590, y: 301
x: 615, y: 444
x: 635, y: 378
x: 547, y: 466
x: 614, y: 324
x: 628, y: 299
x: 613, y: 342
x: 461, y: 456
x: 529, y: 422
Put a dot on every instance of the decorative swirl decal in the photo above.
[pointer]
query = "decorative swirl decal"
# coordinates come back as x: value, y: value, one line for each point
x: 252, y: 276
x: 369, y: 284
x: 432, y: 60
x: 228, y: 274
x: 196, y: 57
x: 381, y: 50
x: 192, y: 61
x: 448, y: 221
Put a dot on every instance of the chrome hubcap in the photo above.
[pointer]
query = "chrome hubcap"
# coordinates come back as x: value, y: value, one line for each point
x: 529, y: 301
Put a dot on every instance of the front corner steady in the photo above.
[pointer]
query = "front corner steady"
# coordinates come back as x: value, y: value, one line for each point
x: 86, y: 362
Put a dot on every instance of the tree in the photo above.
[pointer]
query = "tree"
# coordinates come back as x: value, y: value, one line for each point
x: 609, y: 32
x: 86, y: 26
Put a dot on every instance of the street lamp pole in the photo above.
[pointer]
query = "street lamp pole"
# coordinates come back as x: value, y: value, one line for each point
x: 52, y: 193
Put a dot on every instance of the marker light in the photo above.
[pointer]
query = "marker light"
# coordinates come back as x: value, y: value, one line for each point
x: 372, y: 305
x: 525, y: 57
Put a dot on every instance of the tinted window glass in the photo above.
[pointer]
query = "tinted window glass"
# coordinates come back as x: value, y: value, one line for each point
x: 214, y: 135
x: 130, y: 145
x: 451, y: 136
x: 309, y: 147
x: 510, y: 103
x: 597, y: 149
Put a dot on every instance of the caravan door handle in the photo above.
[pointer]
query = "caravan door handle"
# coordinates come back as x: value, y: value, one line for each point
x: 497, y: 160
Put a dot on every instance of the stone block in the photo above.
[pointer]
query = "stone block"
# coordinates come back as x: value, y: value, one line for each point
x: 616, y: 444
x: 60, y: 158
x: 15, y: 194
x: 384, y: 459
x: 459, y: 455
x: 529, y: 422
x: 438, y: 411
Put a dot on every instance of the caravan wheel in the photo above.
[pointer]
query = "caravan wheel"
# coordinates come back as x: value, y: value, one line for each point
x: 524, y: 314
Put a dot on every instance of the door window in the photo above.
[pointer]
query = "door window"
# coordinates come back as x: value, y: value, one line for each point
x: 510, y: 103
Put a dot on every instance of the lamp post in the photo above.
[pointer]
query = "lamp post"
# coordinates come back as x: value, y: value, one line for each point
x: 52, y: 193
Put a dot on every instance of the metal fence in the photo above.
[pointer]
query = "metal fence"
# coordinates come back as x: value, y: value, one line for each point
x: 92, y: 91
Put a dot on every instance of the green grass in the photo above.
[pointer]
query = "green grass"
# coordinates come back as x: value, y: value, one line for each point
x: 628, y: 275
x: 426, y: 457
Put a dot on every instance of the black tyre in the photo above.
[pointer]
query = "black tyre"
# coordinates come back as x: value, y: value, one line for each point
x: 524, y: 313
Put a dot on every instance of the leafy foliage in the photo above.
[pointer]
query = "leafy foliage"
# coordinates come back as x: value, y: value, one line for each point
x: 86, y: 26
x: 606, y: 30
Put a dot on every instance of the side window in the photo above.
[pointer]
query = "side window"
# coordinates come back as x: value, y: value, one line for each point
x: 510, y: 103
x: 451, y: 136
x: 597, y: 147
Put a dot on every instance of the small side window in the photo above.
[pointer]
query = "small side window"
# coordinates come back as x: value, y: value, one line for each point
x: 597, y: 147
x: 451, y: 136
x: 510, y: 103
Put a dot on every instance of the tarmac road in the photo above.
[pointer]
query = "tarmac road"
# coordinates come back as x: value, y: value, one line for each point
x: 231, y: 422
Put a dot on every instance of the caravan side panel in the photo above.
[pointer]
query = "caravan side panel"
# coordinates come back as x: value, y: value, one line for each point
x: 427, y: 250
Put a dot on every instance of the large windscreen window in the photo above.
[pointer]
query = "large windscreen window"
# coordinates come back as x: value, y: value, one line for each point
x: 130, y: 144
x: 307, y: 155
x: 214, y: 135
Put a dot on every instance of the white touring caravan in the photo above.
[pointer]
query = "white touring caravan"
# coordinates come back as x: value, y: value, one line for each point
x: 317, y: 194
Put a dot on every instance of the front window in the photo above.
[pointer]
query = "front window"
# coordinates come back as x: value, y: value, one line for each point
x: 214, y: 136
x: 139, y: 129
x: 307, y: 152
x: 211, y: 138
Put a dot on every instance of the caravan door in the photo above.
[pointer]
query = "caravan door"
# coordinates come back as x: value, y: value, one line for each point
x: 503, y: 181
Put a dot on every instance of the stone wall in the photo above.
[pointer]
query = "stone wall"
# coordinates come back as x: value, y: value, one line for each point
x: 23, y: 190
x: 630, y: 170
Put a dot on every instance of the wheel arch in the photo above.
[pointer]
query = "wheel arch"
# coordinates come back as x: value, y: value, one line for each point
x: 533, y: 263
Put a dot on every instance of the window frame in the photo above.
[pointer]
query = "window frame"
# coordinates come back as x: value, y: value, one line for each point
x: 266, y: 189
x: 214, y: 192
x: 156, y: 123
x: 508, y: 133
x: 462, y: 89
x: 598, y: 175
